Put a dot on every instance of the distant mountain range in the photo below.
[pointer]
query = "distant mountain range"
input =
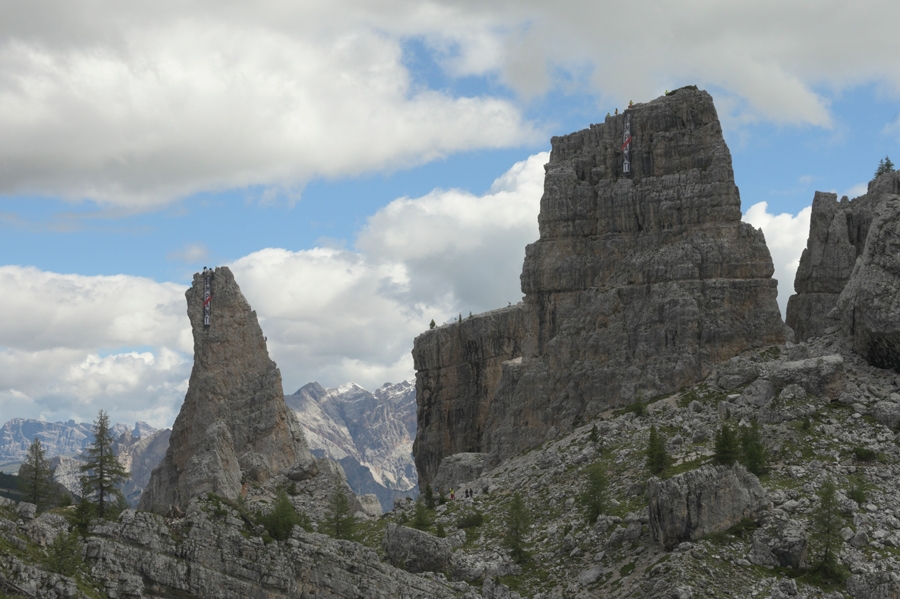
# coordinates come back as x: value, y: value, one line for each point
x: 370, y: 434
x: 140, y: 448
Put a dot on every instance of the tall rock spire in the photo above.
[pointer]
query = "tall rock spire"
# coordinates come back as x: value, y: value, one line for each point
x: 234, y: 427
x: 644, y: 277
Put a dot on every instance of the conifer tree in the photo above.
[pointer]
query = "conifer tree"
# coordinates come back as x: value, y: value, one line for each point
x: 657, y: 457
x: 103, y: 473
x: 35, y: 478
x: 339, y: 521
x: 727, y: 450
x: 517, y: 523
x: 884, y: 166
x: 755, y: 457
x: 429, y: 497
x: 594, y: 496
x: 280, y: 522
x: 826, y: 532
x: 431, y: 325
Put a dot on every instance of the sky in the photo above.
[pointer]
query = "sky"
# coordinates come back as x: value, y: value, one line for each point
x: 364, y: 166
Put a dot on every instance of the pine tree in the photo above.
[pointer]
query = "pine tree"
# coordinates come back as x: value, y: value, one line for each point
x: 657, y: 457
x: 884, y: 166
x: 35, y: 478
x: 727, y: 450
x: 517, y: 523
x: 429, y: 497
x: 431, y: 325
x: 64, y: 554
x: 826, y: 532
x: 594, y: 496
x: 284, y: 516
x: 103, y: 474
x: 339, y: 521
x: 595, y: 435
x: 421, y: 519
x: 755, y: 458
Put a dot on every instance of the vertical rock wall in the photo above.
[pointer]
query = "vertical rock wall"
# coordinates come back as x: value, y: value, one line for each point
x: 838, y: 236
x: 458, y: 367
x: 234, y: 426
x: 638, y: 284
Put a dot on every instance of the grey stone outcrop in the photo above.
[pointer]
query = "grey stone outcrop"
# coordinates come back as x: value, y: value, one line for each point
x: 234, y: 426
x: 638, y: 286
x: 869, y: 305
x: 458, y: 469
x: 849, y: 274
x: 416, y: 551
x: 710, y: 499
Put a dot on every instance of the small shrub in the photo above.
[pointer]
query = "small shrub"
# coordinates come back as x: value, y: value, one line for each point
x: 727, y: 450
x: 657, y: 457
x: 64, y: 554
x: 339, y: 521
x: 429, y: 497
x: 638, y: 408
x: 595, y: 435
x: 594, y: 496
x: 864, y: 454
x: 826, y: 533
x: 858, y: 491
x: 755, y: 457
x: 470, y: 519
x: 441, y: 533
x: 517, y: 523
x: 421, y: 518
x: 284, y: 516
x: 807, y: 424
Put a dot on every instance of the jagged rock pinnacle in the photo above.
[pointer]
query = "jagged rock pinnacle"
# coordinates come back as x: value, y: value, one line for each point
x: 234, y: 427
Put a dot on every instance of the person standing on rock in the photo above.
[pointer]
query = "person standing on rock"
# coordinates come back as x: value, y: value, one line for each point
x: 452, y: 494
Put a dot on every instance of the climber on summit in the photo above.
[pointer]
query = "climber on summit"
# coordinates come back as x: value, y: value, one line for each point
x: 617, y: 111
x: 630, y: 103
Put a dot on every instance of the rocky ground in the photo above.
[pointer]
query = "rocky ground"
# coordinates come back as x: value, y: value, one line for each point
x: 823, y: 413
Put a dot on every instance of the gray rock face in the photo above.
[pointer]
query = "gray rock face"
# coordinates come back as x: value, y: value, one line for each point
x: 416, y: 551
x: 458, y: 469
x: 57, y: 438
x: 637, y: 286
x: 839, y: 236
x: 458, y: 369
x: 140, y: 455
x: 703, y: 501
x: 234, y: 426
x: 370, y: 434
x: 869, y: 305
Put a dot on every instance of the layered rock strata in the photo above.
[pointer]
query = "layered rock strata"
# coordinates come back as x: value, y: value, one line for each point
x: 234, y: 427
x: 849, y: 274
x: 638, y: 285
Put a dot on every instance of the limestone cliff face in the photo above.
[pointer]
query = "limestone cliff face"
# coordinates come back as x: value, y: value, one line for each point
x: 638, y: 285
x: 458, y: 368
x: 850, y: 263
x: 234, y: 426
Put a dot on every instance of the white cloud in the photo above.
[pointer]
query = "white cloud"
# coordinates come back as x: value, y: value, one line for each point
x: 191, y: 253
x: 856, y: 191
x: 64, y: 348
x: 136, y: 104
x: 78, y: 343
x: 786, y: 237
x: 136, y: 109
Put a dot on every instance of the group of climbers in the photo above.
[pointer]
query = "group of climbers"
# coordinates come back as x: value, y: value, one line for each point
x: 630, y: 105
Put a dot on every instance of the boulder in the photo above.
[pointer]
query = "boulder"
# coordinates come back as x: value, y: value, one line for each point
x: 887, y: 413
x: 26, y: 511
x: 876, y: 585
x: 458, y: 469
x: 822, y: 377
x: 415, y: 551
x: 694, y: 504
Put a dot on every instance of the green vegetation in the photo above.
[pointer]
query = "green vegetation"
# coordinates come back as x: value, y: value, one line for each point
x: 470, y: 519
x: 284, y: 516
x: 431, y: 324
x: 103, y: 474
x: 594, y: 496
x: 36, y: 479
x: 825, y: 533
x: 754, y: 456
x: 64, y: 554
x: 339, y: 521
x: 857, y: 492
x: 864, y: 454
x: 517, y: 523
x: 422, y: 518
x: 657, y: 457
x: 884, y: 166
x: 727, y: 450
x: 595, y: 435
x: 429, y: 497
